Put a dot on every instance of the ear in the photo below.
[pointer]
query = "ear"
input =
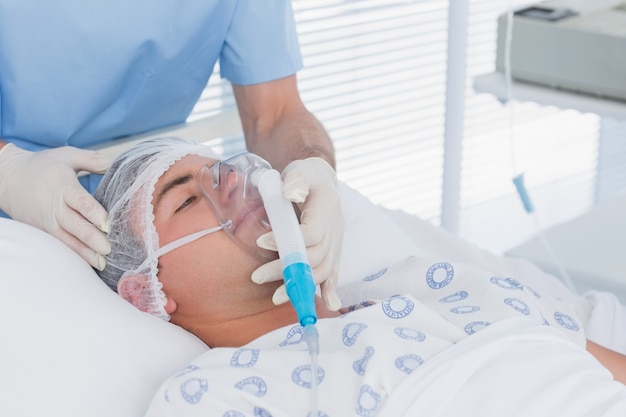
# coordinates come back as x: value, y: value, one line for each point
x: 136, y: 290
x: 170, y: 306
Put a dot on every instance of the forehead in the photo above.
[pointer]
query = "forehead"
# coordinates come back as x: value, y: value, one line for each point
x: 183, y: 171
x: 189, y: 164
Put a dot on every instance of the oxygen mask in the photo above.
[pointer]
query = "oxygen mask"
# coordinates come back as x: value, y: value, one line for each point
x: 236, y: 201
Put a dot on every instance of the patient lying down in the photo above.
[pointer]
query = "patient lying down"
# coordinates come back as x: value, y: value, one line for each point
x: 421, y: 330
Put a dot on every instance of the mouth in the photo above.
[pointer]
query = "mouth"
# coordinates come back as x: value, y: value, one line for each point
x: 251, y: 224
x: 251, y: 216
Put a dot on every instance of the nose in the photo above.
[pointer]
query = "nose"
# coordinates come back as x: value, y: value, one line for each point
x: 228, y: 185
x: 219, y: 185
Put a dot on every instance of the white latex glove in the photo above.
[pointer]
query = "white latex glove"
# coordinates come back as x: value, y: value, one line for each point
x: 42, y: 189
x: 312, y: 184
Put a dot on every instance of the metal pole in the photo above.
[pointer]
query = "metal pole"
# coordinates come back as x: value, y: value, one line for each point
x: 458, y: 11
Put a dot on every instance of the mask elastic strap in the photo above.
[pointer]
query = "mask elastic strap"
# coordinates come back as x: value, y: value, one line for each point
x: 188, y: 239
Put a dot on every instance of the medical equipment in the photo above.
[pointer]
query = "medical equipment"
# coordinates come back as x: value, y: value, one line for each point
x: 578, y: 48
x: 518, y: 181
x: 238, y: 189
x: 518, y: 178
x: 296, y: 269
x: 235, y: 200
x: 291, y: 249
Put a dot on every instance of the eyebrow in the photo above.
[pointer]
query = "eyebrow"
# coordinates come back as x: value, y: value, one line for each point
x: 169, y: 186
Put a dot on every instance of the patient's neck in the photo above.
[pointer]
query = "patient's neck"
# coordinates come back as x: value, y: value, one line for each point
x: 243, y: 330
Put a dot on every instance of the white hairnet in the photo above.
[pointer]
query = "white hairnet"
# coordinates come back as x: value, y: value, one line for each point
x: 126, y: 193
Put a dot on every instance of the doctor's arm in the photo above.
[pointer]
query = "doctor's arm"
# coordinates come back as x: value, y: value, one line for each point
x: 278, y: 127
x: 42, y: 189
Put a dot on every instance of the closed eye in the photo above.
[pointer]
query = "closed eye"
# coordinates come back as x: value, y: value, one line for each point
x: 186, y: 203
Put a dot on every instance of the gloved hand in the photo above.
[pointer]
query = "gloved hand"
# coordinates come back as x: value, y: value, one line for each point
x: 42, y: 189
x: 312, y: 184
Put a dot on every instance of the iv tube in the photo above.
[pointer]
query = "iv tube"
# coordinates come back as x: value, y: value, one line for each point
x: 518, y: 178
x: 518, y: 181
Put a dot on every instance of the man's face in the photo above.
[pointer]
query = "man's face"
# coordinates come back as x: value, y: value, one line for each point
x: 209, y: 277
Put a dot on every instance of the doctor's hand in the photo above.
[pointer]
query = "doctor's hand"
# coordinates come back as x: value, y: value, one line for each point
x: 42, y: 189
x: 312, y: 184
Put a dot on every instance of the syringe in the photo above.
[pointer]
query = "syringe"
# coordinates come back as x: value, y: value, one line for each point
x: 297, y: 272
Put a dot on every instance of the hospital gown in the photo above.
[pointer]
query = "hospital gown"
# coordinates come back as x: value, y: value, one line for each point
x: 405, y: 315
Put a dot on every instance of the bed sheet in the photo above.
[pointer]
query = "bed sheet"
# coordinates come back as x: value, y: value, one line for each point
x: 603, y: 313
x: 370, y: 354
x: 514, y: 367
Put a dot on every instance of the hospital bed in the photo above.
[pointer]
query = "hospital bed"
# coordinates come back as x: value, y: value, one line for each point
x: 71, y: 347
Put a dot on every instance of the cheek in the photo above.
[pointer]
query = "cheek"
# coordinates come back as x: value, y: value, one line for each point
x: 210, y: 265
x: 175, y: 273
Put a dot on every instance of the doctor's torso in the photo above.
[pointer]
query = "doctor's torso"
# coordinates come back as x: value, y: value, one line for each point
x: 81, y: 72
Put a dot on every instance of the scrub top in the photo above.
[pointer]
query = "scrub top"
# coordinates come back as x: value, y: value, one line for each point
x: 75, y: 72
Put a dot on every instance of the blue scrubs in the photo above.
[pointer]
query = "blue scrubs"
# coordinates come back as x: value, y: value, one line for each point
x: 75, y: 72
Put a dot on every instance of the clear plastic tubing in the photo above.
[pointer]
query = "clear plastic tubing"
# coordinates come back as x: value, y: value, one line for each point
x: 296, y: 268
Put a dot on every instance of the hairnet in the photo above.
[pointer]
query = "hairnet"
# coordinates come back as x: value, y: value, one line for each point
x: 126, y: 193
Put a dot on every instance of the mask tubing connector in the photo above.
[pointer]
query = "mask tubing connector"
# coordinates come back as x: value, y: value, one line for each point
x: 296, y: 268
x: 297, y: 271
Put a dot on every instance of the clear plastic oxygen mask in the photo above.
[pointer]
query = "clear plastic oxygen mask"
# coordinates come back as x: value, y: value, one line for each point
x: 236, y: 201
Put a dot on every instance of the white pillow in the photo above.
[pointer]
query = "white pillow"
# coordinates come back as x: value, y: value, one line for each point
x: 69, y: 345
x: 373, y: 239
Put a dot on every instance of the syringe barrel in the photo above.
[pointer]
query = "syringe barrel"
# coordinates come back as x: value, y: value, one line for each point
x: 291, y: 248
